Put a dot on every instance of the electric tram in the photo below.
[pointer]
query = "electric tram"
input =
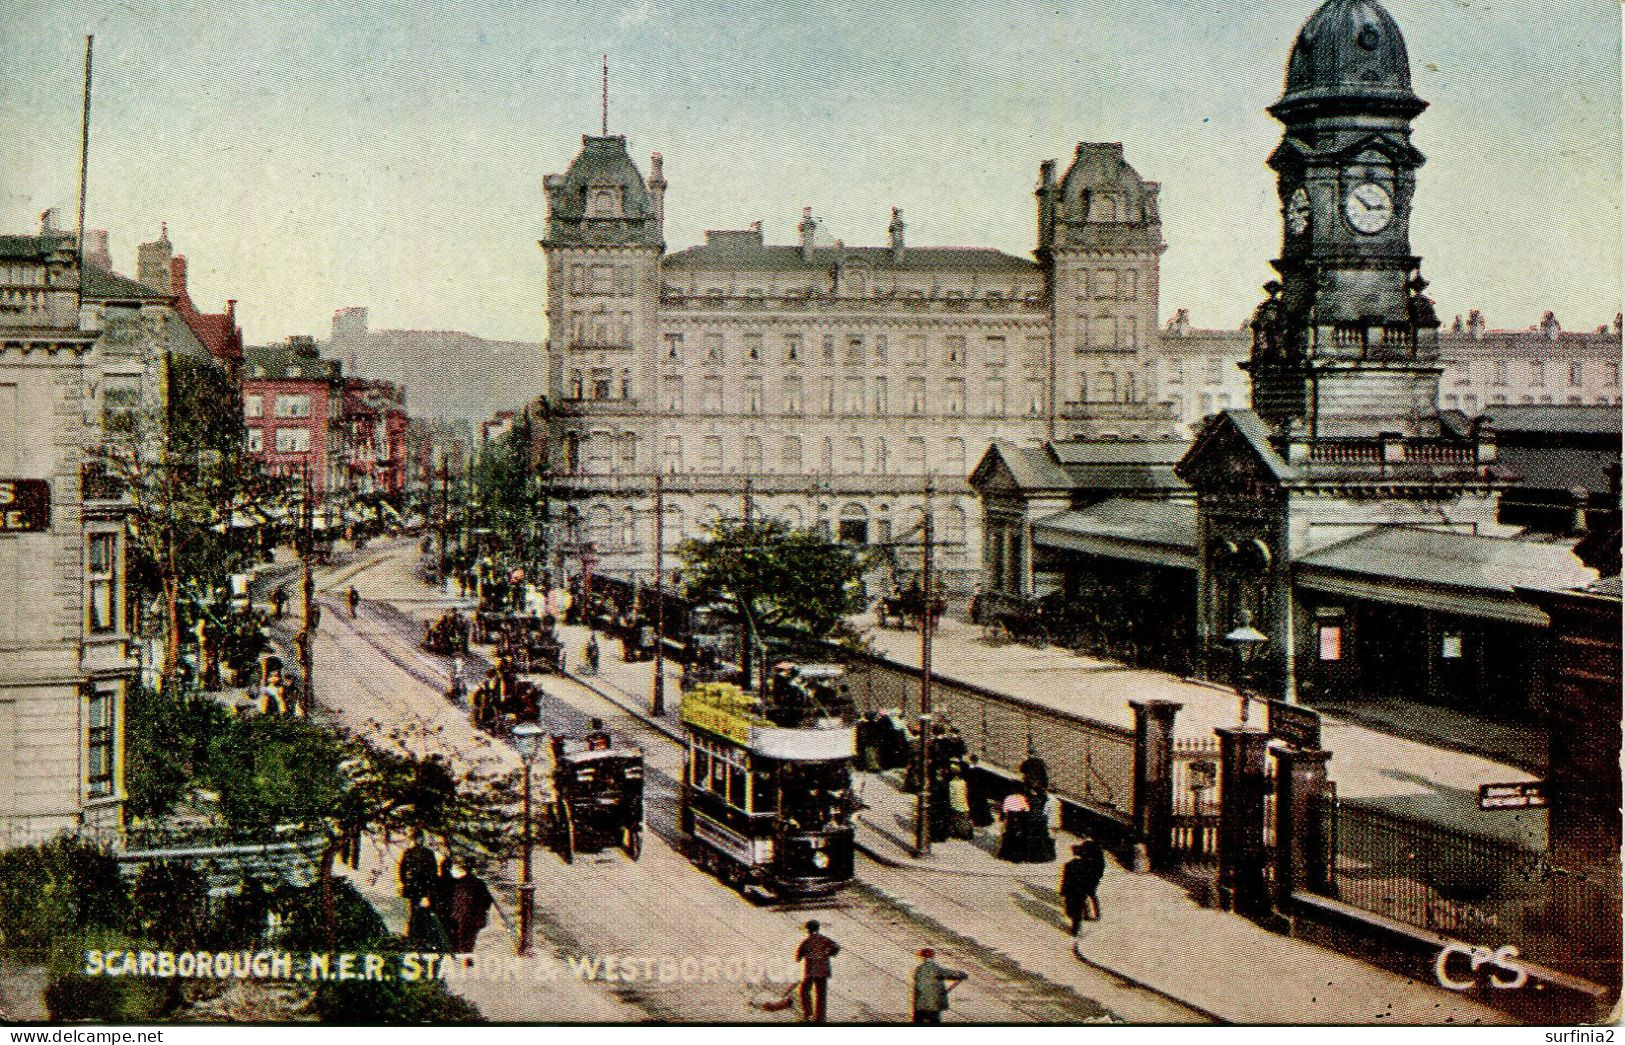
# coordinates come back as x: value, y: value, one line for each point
x: 766, y: 800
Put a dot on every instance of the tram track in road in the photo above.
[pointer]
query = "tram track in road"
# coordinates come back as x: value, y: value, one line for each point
x: 609, y: 903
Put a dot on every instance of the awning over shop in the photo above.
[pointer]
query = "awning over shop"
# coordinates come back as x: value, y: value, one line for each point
x: 1155, y: 531
x: 1458, y: 573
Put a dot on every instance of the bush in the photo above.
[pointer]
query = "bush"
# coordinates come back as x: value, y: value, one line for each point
x: 390, y: 1001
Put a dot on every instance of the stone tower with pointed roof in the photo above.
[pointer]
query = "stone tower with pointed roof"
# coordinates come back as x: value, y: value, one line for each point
x: 1099, y: 241
x: 604, y: 242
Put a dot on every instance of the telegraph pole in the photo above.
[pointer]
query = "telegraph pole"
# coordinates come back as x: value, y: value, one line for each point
x: 307, y: 650
x: 657, y: 700
x: 922, y: 817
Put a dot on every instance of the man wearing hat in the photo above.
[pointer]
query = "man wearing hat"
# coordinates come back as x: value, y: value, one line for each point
x: 1080, y: 879
x: 932, y: 982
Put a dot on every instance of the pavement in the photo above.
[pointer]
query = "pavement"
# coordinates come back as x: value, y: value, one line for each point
x: 1159, y: 943
x: 1374, y: 768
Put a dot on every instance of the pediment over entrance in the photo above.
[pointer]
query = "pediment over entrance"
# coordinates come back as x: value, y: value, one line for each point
x: 1232, y: 452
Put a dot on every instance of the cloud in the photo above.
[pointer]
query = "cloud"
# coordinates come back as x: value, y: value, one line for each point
x: 636, y: 15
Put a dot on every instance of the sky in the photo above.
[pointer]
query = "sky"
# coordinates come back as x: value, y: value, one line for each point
x: 309, y: 155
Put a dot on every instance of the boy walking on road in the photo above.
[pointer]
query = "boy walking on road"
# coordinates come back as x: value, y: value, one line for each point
x: 932, y: 982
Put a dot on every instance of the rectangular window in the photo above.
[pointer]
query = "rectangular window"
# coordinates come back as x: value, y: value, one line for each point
x: 293, y: 440
x: 1450, y: 646
x: 753, y: 455
x: 915, y: 348
x: 1577, y: 373
x: 711, y: 395
x: 829, y: 348
x: 253, y: 406
x: 997, y: 350
x: 711, y: 454
x: 790, y: 455
x: 673, y: 454
x: 1035, y: 398
x: 293, y: 406
x: 671, y: 394
x: 1104, y: 284
x: 1331, y: 642
x: 101, y: 582
x: 995, y: 397
x: 713, y: 347
x: 792, y: 395
x: 954, y: 350
x: 753, y: 395
x: 674, y: 346
x: 101, y: 717
x: 598, y: 279
x: 852, y: 397
x: 882, y: 397
x: 792, y: 348
x: 1128, y: 287
x: 603, y: 384
x: 914, y: 456
x: 955, y: 389
x: 852, y: 459
x: 256, y: 440
x: 916, y: 395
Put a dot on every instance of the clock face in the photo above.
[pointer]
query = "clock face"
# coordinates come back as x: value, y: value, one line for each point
x: 1369, y: 207
x: 1297, y: 213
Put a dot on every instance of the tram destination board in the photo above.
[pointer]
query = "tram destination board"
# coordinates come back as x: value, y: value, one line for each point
x: 1526, y: 794
x: 1294, y: 724
x: 25, y: 505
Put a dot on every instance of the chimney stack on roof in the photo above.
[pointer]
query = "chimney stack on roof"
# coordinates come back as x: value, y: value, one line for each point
x: 177, y: 275
x: 657, y: 187
x: 96, y: 251
x: 807, y: 228
x: 152, y: 261
x: 895, y: 229
x: 1475, y: 324
x: 47, y: 222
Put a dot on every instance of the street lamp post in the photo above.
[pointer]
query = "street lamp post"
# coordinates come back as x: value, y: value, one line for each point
x: 657, y: 700
x: 922, y: 815
x: 527, y: 740
x: 1247, y: 641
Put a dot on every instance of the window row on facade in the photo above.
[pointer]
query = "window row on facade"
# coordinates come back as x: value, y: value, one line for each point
x: 852, y: 396
x: 852, y: 348
x: 286, y: 406
x: 607, y: 453
x: 624, y: 527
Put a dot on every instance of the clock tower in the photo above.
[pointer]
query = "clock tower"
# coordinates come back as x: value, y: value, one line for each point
x: 1346, y: 342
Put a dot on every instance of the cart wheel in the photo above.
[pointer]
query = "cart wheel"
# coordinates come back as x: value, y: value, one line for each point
x: 634, y: 842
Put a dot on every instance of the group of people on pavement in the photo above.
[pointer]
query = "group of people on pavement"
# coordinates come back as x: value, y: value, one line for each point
x: 1027, y: 838
x: 447, y: 904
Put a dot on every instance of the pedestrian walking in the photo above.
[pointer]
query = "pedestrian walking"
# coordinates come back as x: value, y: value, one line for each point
x: 932, y: 982
x: 467, y: 905
x: 418, y: 869
x: 814, y: 954
x: 279, y: 600
x: 353, y: 597
x: 960, y: 824
x: 1080, y: 879
x: 592, y: 654
x: 1013, y: 843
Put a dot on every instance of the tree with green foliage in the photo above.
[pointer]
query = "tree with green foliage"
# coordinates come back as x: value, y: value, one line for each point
x: 776, y: 578
x: 506, y: 498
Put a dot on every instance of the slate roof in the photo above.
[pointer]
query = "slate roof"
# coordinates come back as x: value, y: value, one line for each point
x: 34, y: 246
x: 1162, y: 531
x: 1558, y: 468
x: 1030, y: 466
x: 1453, y: 560
x: 749, y: 253
x: 1556, y: 420
x: 276, y: 359
x: 101, y: 285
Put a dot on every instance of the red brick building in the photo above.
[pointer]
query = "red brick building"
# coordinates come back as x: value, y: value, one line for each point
x: 218, y: 331
x: 374, y: 422
x: 293, y: 402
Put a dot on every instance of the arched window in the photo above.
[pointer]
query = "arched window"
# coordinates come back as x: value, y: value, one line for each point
x: 793, y: 517
x: 953, y: 525
x: 629, y: 528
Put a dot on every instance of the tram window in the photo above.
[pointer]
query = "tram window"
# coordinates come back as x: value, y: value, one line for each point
x: 719, y: 777
x: 736, y: 786
x: 702, y: 768
x: 765, y: 792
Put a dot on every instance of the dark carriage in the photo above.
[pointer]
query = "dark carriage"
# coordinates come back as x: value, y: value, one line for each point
x: 908, y: 607
x: 447, y: 635
x: 528, y: 643
x: 502, y: 700
x: 598, y: 797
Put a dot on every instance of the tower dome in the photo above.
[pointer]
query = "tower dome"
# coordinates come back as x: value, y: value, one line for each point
x: 1349, y: 51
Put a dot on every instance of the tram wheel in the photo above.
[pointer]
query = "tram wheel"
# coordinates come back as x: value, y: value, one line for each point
x: 634, y: 842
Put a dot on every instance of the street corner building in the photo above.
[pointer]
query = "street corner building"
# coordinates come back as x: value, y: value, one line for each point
x: 66, y: 659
